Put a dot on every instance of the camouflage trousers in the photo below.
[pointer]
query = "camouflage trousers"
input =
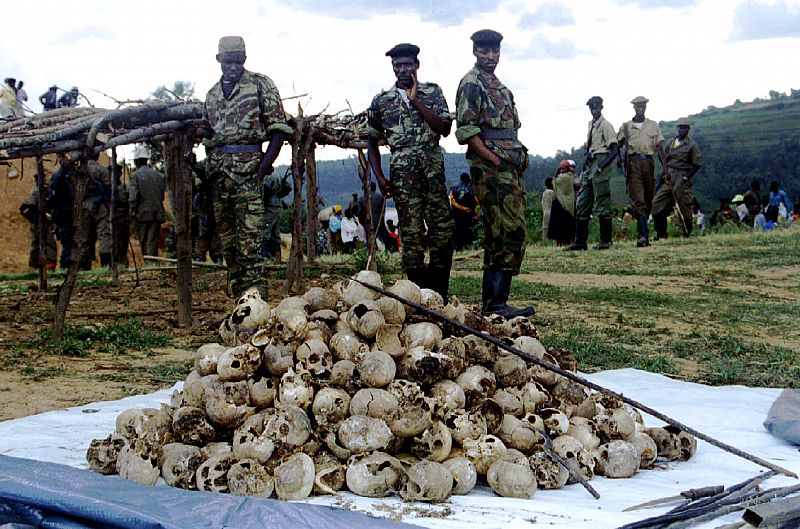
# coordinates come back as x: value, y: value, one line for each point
x: 501, y: 194
x: 678, y: 191
x: 420, y: 194
x: 95, y: 226
x: 50, y: 249
x: 640, y: 185
x: 149, y: 236
x: 271, y: 231
x: 239, y: 213
x: 595, y: 194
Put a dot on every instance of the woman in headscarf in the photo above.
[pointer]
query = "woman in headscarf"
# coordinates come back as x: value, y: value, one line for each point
x: 562, y: 212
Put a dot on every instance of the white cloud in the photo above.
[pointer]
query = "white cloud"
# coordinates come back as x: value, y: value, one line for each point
x: 550, y: 14
x: 541, y: 47
x: 757, y: 20
x: 655, y: 4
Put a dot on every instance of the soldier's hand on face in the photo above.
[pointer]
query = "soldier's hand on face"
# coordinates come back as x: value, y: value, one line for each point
x: 412, y: 91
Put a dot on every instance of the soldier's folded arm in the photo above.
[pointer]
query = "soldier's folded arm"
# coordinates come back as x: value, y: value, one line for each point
x: 440, y: 123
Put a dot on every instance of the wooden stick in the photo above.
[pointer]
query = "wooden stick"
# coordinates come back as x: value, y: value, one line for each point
x: 176, y: 153
x: 41, y: 225
x: 580, y: 380
x: 194, y: 263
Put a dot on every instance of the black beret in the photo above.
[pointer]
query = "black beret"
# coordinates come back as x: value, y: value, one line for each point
x: 487, y: 37
x: 594, y: 101
x: 403, y: 50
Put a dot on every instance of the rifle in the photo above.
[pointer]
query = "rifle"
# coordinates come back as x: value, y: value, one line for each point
x: 623, y: 154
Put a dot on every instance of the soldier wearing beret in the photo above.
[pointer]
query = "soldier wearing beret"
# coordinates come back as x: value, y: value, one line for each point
x: 683, y: 161
x: 642, y: 139
x: 487, y: 122
x: 242, y: 110
x: 411, y: 117
x: 595, y: 194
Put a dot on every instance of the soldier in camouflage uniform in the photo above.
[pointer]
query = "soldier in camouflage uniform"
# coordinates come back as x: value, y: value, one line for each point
x: 96, y: 224
x: 487, y: 122
x: 683, y: 159
x: 411, y: 117
x: 242, y: 110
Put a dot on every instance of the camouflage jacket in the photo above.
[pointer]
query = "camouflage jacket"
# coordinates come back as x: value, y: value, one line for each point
x: 147, y: 189
x: 682, y: 155
x: 483, y: 102
x: 249, y: 116
x: 390, y: 117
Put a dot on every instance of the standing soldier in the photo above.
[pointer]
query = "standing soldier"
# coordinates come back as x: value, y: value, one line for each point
x: 60, y: 202
x: 122, y: 219
x: 642, y: 138
x: 683, y: 161
x: 205, y: 239
x: 595, y: 193
x: 147, y: 189
x: 30, y: 211
x: 96, y: 225
x: 49, y: 99
x: 411, y: 117
x: 487, y: 122
x: 243, y: 110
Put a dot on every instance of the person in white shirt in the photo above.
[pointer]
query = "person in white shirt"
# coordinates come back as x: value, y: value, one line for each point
x: 349, y: 231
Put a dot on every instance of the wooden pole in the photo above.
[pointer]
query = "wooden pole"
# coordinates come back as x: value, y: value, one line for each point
x: 312, y: 224
x: 176, y: 157
x: 41, y: 225
x: 79, y: 237
x: 294, y: 266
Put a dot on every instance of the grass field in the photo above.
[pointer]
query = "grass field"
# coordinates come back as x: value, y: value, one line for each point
x: 720, y: 309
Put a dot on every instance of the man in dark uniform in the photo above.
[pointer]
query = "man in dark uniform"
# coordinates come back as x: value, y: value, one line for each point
x: 49, y: 99
x: 462, y: 200
x: 60, y: 203
x: 487, y: 122
x: 683, y: 161
x: 411, y: 117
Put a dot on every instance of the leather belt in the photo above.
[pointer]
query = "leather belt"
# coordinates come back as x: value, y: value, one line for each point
x: 237, y: 149
x: 640, y: 156
x: 498, y: 134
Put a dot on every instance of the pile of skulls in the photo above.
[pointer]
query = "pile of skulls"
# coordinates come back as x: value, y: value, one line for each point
x: 343, y: 387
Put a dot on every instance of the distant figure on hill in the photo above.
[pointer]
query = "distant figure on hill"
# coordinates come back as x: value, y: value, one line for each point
x: 349, y: 231
x: 699, y: 217
x: 752, y: 200
x: 561, y: 227
x: 777, y: 198
x: 724, y: 214
x: 738, y: 204
x: 594, y: 197
x: 642, y: 138
x: 49, y: 99
x: 683, y: 162
x: 335, y: 225
x: 464, y: 205
x: 547, y: 203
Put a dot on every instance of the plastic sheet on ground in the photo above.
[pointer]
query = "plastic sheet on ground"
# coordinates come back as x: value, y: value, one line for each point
x: 732, y: 414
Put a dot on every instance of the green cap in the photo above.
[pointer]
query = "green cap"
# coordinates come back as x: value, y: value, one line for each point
x: 640, y: 99
x: 683, y: 122
x: 487, y: 38
x: 403, y: 50
x: 231, y: 45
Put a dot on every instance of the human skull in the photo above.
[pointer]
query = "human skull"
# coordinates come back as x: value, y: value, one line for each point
x: 464, y: 474
x: 432, y: 300
x: 248, y: 477
x: 686, y: 442
x: 376, y: 369
x: 393, y: 311
x: 478, y: 351
x: 477, y: 382
x: 510, y: 403
x: 455, y: 310
x: 278, y: 358
x: 347, y: 347
x: 412, y: 419
x: 342, y: 376
x: 329, y: 478
x: 227, y: 404
x: 532, y: 395
x: 290, y: 325
x: 329, y: 317
x: 510, y: 370
x: 408, y: 290
x: 180, y: 465
x: 617, y: 459
x: 555, y: 422
x: 365, y: 318
x: 252, y: 441
x: 585, y: 431
x: 456, y: 350
x: 136, y: 466
x: 296, y: 388
x: 427, y: 481
x: 542, y: 375
x: 511, y: 480
x: 572, y: 451
x: 189, y: 426
x: 360, y: 434
x: 522, y: 326
x: 320, y: 299
x: 355, y: 292
x: 648, y: 451
x: 288, y: 426
x: 330, y: 406
x: 238, y: 363
x: 549, y: 474
x: 315, y: 357
x: 614, y: 424
x: 102, y: 454
x: 387, y: 340
x: 434, y: 443
x: 423, y: 334
x: 465, y: 425
x: 318, y: 330
x: 294, y: 478
x: 449, y: 397
x: 262, y: 392
x: 483, y: 452
x: 423, y: 366
x: 374, y: 402
x: 212, y: 474
x: 530, y: 345
x: 518, y: 435
x: 205, y: 359
x: 374, y: 475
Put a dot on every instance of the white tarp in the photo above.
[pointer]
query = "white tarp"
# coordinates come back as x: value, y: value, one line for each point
x: 732, y: 414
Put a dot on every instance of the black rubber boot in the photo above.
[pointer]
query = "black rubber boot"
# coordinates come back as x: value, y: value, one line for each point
x: 605, y: 235
x: 487, y: 289
x: 418, y: 276
x: 660, y: 223
x: 439, y: 281
x: 641, y: 224
x: 581, y: 235
x: 105, y: 260
x: 500, y: 287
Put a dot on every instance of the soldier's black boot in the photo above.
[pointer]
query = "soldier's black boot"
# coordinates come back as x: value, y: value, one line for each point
x: 644, y: 238
x: 581, y: 235
x: 605, y: 235
x: 500, y: 286
x: 660, y: 223
x: 105, y: 260
x: 418, y: 276
x: 439, y: 281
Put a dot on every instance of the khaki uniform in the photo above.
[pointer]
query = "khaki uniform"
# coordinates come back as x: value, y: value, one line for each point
x: 485, y: 106
x: 147, y: 189
x: 30, y: 210
x: 240, y: 123
x: 595, y: 193
x: 681, y: 156
x: 642, y: 141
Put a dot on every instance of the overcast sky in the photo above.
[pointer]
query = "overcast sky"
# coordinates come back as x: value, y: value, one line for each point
x: 684, y: 55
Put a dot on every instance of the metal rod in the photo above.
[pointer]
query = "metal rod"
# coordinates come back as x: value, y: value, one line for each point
x: 580, y: 380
